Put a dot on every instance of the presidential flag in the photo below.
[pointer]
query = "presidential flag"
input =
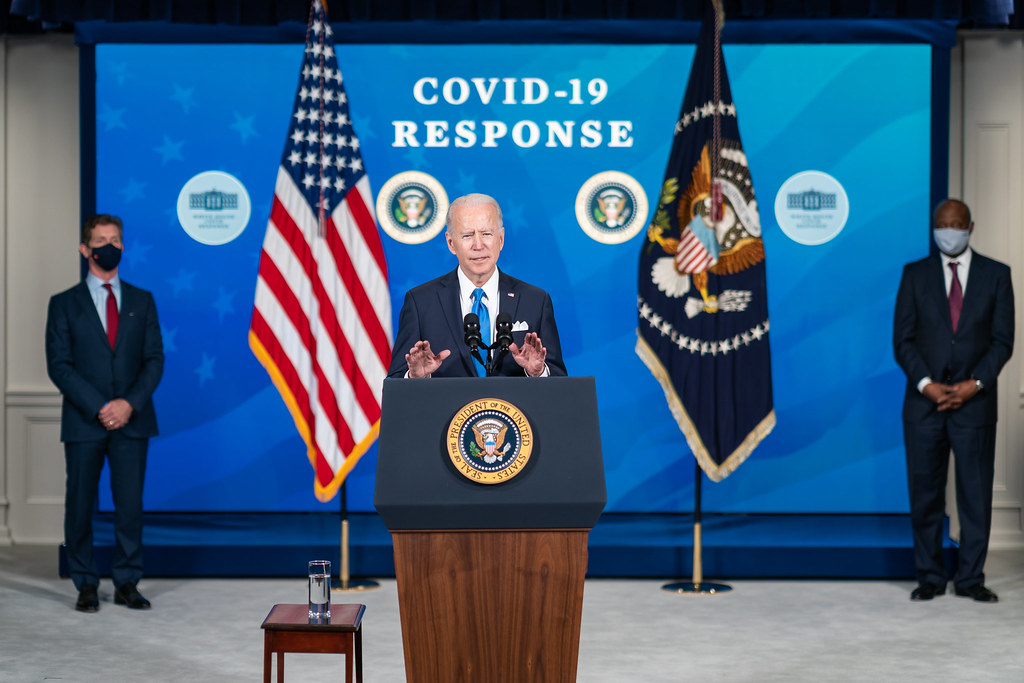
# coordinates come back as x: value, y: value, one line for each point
x: 321, y: 321
x: 702, y: 303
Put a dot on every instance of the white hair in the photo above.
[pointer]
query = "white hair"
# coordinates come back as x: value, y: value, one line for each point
x: 473, y: 199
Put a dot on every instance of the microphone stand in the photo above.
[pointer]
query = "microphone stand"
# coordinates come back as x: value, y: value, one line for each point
x: 501, y: 343
x: 475, y: 350
x: 496, y: 359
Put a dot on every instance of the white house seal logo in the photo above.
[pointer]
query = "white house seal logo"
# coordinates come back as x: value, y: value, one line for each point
x: 213, y: 207
x: 489, y: 441
x: 411, y: 207
x: 611, y: 207
x: 812, y: 207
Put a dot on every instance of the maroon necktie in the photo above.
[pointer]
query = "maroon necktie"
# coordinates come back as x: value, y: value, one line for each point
x: 956, y: 297
x: 112, y: 316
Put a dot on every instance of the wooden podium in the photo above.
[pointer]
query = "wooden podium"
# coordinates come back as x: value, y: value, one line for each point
x: 490, y: 576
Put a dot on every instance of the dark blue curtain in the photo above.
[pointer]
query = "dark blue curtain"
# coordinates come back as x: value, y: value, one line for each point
x: 272, y: 12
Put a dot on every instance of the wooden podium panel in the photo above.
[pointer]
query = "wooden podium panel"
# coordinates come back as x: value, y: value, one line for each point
x: 491, y: 606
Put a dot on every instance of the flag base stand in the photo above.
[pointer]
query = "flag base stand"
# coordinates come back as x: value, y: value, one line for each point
x: 344, y: 584
x: 354, y: 586
x: 698, y: 586
x: 703, y: 588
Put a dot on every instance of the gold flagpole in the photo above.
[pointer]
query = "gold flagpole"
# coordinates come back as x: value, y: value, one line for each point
x: 345, y: 583
x: 698, y: 586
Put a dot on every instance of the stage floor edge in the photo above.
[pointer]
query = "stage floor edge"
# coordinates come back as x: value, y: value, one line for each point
x: 754, y: 546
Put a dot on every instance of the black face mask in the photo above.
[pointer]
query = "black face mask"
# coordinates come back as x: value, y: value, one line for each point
x: 106, y: 257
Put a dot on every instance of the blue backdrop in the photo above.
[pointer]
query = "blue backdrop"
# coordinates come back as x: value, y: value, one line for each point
x: 861, y: 113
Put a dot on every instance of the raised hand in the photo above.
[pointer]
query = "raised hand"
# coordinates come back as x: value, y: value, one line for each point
x: 530, y: 356
x: 422, y: 361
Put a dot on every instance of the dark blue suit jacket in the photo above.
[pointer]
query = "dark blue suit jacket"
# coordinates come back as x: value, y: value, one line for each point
x: 432, y: 312
x: 926, y: 345
x: 89, y: 373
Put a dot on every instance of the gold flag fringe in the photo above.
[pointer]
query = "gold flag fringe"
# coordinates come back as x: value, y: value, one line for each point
x: 711, y: 468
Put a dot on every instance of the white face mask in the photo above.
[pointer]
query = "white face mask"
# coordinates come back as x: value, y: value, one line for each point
x: 951, y: 241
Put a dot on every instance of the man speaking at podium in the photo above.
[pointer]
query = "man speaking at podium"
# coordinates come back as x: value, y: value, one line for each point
x: 439, y: 319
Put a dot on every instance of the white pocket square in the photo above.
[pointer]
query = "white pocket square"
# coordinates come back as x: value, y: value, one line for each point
x: 520, y: 326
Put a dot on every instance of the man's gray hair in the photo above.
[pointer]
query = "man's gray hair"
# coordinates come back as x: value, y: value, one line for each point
x: 473, y: 199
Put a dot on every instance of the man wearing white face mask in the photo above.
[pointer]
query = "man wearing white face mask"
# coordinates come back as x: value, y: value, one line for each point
x: 952, y: 334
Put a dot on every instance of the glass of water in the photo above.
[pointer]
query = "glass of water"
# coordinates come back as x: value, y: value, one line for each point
x: 319, y: 589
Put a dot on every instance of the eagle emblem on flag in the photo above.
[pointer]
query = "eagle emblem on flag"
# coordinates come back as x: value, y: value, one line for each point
x: 705, y: 245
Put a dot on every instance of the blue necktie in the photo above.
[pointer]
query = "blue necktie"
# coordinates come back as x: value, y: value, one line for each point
x: 485, y: 325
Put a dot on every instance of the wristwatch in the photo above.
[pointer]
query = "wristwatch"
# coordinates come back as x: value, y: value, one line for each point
x: 979, y: 384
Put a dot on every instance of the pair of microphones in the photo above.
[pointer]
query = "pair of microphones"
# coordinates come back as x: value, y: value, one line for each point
x: 502, y: 339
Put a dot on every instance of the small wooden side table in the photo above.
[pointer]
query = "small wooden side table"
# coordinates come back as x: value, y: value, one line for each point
x: 287, y: 629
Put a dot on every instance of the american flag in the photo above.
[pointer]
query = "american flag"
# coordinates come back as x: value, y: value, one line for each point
x: 692, y: 256
x: 321, y: 320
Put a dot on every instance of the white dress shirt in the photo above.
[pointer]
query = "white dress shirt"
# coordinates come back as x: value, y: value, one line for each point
x: 466, y: 289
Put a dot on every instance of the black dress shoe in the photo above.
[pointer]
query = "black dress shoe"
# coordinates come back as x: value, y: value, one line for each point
x: 88, y: 601
x: 926, y: 591
x: 978, y: 593
x: 127, y: 594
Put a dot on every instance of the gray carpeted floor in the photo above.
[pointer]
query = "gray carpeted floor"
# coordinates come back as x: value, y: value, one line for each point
x: 209, y: 630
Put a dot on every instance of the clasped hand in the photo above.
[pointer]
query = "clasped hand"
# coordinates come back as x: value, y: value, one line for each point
x: 951, y: 396
x: 115, y: 414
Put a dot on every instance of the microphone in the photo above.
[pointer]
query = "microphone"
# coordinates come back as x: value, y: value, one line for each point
x: 502, y: 340
x: 503, y: 331
x: 471, y: 327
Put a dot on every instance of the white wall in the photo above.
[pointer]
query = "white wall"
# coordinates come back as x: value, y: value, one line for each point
x: 991, y: 181
x: 5, y: 530
x: 39, y: 193
x: 39, y: 257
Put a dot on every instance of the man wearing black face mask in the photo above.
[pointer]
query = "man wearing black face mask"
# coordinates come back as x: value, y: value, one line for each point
x: 952, y: 334
x: 105, y: 354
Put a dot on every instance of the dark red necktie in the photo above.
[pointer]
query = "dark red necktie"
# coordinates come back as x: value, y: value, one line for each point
x: 956, y: 297
x: 112, y: 316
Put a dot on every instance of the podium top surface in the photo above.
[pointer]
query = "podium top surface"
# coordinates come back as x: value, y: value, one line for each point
x: 425, y: 482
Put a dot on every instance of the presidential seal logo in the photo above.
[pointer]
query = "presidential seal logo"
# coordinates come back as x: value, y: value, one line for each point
x: 213, y: 207
x: 611, y: 207
x: 411, y: 207
x: 489, y: 441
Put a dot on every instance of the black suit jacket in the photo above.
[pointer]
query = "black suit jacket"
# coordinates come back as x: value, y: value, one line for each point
x: 926, y: 345
x: 89, y: 373
x: 432, y: 312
